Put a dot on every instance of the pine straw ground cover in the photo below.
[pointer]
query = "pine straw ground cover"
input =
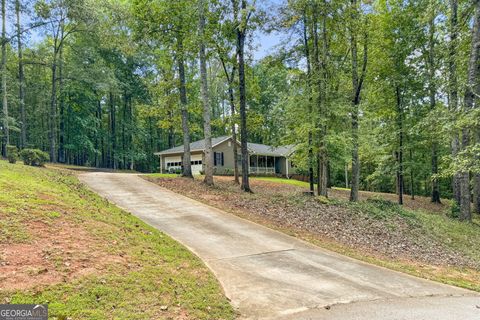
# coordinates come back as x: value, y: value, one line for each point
x: 376, y: 230
x: 63, y: 245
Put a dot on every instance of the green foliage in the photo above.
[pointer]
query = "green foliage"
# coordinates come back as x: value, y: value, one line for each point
x: 34, y: 157
x: 12, y: 154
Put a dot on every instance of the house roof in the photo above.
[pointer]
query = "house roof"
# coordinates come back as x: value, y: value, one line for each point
x: 253, y: 148
x: 262, y: 149
x: 194, y: 146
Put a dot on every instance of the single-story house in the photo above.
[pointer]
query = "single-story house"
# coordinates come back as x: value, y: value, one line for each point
x: 263, y: 159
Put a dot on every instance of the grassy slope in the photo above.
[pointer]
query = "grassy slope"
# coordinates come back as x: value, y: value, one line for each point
x: 450, y: 234
x: 154, y: 271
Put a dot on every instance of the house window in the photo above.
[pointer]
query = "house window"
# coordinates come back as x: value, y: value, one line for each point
x: 218, y: 159
x: 196, y: 162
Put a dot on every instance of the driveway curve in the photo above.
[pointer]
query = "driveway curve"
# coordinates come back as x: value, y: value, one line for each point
x: 269, y: 275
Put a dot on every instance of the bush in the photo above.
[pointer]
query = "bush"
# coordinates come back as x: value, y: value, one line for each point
x: 34, y: 157
x: 12, y: 154
x: 454, y: 212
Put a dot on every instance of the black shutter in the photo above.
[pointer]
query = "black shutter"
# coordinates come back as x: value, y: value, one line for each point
x: 222, y: 160
x: 214, y: 158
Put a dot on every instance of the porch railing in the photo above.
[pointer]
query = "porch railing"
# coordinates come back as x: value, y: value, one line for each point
x: 262, y: 170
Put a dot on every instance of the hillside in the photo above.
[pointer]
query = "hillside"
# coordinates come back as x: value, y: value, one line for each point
x: 60, y: 244
x: 420, y: 242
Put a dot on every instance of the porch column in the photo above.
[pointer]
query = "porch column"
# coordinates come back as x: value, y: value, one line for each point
x: 161, y: 164
x: 286, y: 169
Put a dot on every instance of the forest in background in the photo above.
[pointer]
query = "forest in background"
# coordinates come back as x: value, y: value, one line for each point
x: 374, y: 95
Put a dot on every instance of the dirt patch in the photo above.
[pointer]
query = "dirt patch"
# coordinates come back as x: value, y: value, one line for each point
x: 287, y: 207
x: 58, y: 252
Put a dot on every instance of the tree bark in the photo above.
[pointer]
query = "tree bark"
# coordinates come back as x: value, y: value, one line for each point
x: 241, y: 35
x: 113, y: 133
x: 207, y: 128
x: 412, y: 177
x: 471, y: 90
x: 357, y: 85
x: 323, y: 77
x: 400, y: 146
x: 233, y: 124
x: 6, y: 131
x: 476, y: 182
x: 61, y: 136
x: 98, y: 141
x: 435, y: 197
x: 187, y: 167
x: 52, y: 133
x: 21, y: 79
x: 311, y: 178
x: 453, y: 88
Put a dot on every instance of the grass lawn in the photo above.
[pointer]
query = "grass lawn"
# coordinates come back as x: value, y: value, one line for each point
x: 63, y: 245
x: 292, y: 182
x: 162, y: 175
x: 418, y: 238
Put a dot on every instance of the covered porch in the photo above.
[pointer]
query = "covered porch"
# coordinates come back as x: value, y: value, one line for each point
x: 265, y: 164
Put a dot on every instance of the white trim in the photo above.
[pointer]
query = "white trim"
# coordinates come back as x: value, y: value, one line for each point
x: 286, y: 173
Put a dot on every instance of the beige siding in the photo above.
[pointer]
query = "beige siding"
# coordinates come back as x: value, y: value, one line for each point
x: 227, y: 148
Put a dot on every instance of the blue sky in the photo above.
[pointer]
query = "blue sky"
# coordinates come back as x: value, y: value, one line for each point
x: 264, y: 44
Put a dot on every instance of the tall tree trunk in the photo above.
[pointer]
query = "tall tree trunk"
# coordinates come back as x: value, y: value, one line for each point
x: 400, y: 146
x: 435, y: 198
x: 187, y: 166
x: 320, y: 92
x: 124, y: 130
x: 234, y: 132
x: 357, y: 85
x: 476, y: 182
x: 453, y: 88
x: 471, y: 91
x: 113, y: 133
x: 98, y: 140
x: 61, y: 84
x: 171, y: 131
x: 21, y: 79
x: 231, y: 98
x: 207, y: 128
x: 323, y: 156
x: 311, y: 177
x: 412, y: 177
x: 6, y: 131
x: 241, y: 34
x: 52, y: 132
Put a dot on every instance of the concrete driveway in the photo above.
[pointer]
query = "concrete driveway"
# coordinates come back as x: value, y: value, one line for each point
x: 269, y: 275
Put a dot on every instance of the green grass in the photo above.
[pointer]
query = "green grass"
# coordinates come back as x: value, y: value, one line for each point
x: 292, y: 182
x: 341, y: 188
x: 156, y: 271
x: 162, y: 175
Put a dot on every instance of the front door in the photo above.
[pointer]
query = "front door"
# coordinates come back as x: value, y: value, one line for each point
x: 278, y: 165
